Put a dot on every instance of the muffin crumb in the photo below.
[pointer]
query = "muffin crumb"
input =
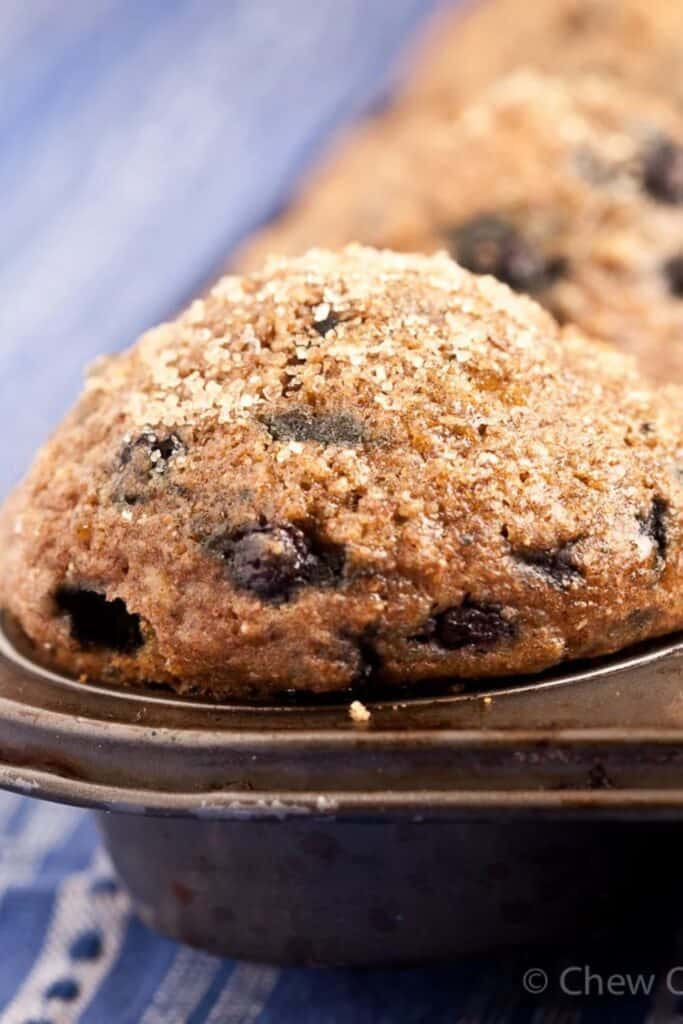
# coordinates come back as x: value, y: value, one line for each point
x: 359, y: 713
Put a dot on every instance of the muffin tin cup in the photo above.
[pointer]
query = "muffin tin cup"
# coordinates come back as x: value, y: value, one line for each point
x: 448, y: 824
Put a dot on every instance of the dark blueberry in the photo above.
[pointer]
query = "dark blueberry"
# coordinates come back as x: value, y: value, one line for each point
x: 663, y: 171
x: 469, y: 625
x: 328, y: 323
x: 153, y: 448
x: 556, y: 564
x: 369, y: 659
x: 97, y: 622
x: 653, y: 525
x: 87, y: 946
x: 273, y: 560
x: 268, y: 561
x: 141, y: 459
x: 66, y: 989
x: 341, y: 428
x: 673, y: 272
x: 490, y: 245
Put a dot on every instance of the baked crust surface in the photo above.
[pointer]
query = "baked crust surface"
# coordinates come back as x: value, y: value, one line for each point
x: 350, y: 469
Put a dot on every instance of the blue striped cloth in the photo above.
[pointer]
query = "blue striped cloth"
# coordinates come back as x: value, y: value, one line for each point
x: 139, y: 139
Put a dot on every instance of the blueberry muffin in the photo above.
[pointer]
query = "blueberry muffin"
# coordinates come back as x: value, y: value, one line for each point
x: 348, y: 470
x: 639, y: 41
x: 569, y: 189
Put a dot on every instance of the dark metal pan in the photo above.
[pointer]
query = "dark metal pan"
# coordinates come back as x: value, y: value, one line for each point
x: 449, y: 823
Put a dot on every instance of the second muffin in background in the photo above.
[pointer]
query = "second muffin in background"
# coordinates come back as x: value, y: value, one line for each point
x: 639, y: 42
x: 571, y: 190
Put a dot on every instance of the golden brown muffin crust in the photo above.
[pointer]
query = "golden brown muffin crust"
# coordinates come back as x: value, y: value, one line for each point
x: 359, y: 469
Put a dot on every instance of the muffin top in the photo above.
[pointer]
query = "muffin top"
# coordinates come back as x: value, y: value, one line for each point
x: 350, y: 469
x: 570, y: 190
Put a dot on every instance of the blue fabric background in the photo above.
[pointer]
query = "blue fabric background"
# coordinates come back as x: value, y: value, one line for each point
x: 139, y: 139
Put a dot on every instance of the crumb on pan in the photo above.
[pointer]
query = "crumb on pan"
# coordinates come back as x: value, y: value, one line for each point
x: 358, y: 712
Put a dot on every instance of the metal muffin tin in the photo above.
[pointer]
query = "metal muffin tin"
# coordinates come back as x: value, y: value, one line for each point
x: 450, y: 823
